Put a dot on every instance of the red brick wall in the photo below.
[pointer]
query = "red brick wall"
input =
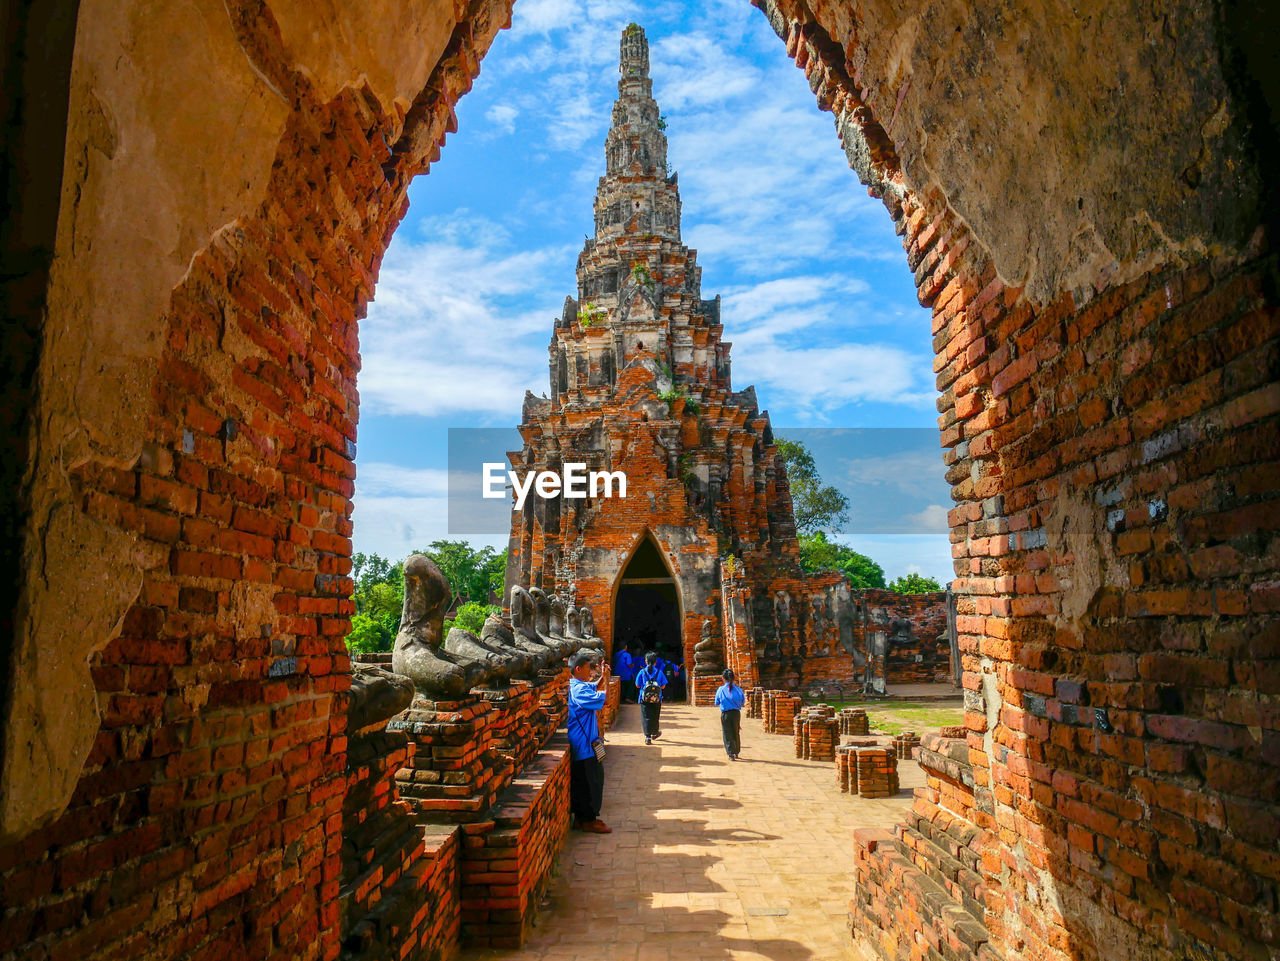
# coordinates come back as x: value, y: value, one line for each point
x: 1113, y: 456
x: 207, y: 821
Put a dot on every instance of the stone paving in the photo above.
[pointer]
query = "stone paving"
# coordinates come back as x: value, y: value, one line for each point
x: 710, y: 859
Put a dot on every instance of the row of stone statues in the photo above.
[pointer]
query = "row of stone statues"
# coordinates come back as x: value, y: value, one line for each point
x: 542, y: 632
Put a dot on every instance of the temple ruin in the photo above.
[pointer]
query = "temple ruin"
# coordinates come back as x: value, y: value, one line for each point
x: 197, y: 203
x: 641, y: 383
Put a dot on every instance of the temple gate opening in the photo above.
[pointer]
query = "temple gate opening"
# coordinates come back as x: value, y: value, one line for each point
x: 647, y: 612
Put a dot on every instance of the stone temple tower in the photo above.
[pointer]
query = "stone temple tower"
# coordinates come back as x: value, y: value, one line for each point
x: 702, y: 551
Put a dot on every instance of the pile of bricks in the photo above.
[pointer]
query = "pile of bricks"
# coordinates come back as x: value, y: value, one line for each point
x: 388, y: 870
x: 511, y: 727
x: 846, y: 763
x: 613, y: 700
x: 816, y: 733
x: 553, y: 702
x: 755, y: 702
x: 507, y: 857
x: 453, y: 774
x: 853, y: 720
x: 905, y: 744
x: 877, y: 772
x: 779, y: 710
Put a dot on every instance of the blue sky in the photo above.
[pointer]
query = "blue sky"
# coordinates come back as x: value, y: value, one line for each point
x: 817, y: 299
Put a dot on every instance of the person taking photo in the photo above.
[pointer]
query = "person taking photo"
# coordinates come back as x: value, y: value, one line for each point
x: 587, y: 695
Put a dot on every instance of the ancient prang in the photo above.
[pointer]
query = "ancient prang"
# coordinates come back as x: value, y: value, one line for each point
x: 640, y: 383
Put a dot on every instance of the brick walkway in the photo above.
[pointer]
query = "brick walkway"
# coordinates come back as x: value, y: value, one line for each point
x: 710, y: 860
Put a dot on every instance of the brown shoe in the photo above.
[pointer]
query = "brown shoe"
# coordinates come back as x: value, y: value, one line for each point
x: 597, y: 827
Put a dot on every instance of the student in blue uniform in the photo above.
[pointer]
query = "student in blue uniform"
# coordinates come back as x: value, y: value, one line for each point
x: 586, y: 774
x: 730, y: 698
x: 625, y: 667
x: 649, y: 682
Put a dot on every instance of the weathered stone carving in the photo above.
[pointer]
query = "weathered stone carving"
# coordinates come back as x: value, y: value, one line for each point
x: 498, y: 635
x: 573, y: 622
x: 542, y: 624
x: 557, y: 616
x: 706, y: 653
x: 418, y: 653
x: 502, y: 664
x: 589, y: 637
x: 376, y: 695
x: 522, y: 624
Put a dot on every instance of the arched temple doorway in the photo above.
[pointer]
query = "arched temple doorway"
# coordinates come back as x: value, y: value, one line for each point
x: 646, y: 611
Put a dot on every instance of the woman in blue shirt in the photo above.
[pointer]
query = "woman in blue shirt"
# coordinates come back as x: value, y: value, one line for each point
x: 586, y: 773
x: 649, y: 683
x: 730, y: 698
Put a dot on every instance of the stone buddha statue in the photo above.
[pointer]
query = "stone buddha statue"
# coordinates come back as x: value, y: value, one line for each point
x: 419, y: 653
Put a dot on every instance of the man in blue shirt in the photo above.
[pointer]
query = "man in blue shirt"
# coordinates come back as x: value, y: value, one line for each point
x: 625, y: 668
x: 649, y: 682
x: 586, y: 774
x: 730, y: 698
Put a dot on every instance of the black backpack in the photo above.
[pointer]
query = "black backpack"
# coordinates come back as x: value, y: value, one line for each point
x: 651, y: 693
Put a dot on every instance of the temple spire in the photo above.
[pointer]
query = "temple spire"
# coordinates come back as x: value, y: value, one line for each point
x: 633, y: 56
x: 636, y: 195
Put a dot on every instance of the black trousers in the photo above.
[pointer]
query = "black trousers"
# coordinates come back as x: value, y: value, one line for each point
x: 731, y: 729
x: 649, y: 714
x: 586, y: 789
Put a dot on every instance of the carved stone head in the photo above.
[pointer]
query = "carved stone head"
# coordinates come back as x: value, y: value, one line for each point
x: 557, y: 615
x: 541, y: 611
x: 522, y: 611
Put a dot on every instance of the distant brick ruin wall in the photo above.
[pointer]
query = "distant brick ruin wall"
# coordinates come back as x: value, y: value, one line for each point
x: 910, y: 626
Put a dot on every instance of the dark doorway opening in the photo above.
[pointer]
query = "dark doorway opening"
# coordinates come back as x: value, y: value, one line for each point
x: 647, y: 615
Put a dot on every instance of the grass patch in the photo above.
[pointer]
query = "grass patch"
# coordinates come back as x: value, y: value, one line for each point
x: 894, y: 717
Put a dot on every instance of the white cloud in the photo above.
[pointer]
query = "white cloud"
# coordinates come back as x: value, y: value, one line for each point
x: 933, y: 519
x: 918, y: 473
x: 503, y: 117
x: 451, y: 330
x: 379, y: 478
x: 816, y: 378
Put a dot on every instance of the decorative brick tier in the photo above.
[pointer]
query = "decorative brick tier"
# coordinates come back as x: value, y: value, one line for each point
x: 507, y: 857
x: 454, y: 773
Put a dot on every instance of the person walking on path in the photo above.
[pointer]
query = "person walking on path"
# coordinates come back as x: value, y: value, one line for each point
x: 730, y: 698
x: 649, y: 682
x: 586, y: 773
x: 625, y: 668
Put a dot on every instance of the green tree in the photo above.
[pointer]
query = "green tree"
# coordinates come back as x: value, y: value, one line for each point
x: 914, y: 584
x: 368, y: 635
x: 469, y: 571
x: 471, y: 616
x: 817, y: 506
x: 819, y: 554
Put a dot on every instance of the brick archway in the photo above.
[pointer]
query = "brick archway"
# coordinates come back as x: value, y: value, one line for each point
x: 1106, y: 369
